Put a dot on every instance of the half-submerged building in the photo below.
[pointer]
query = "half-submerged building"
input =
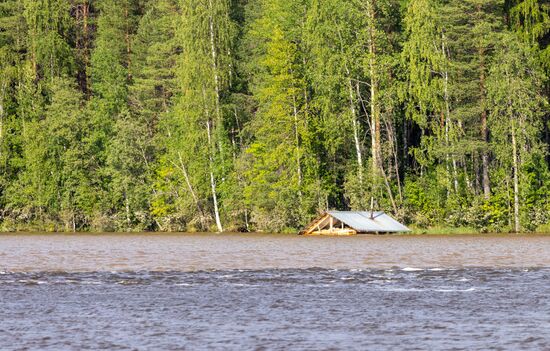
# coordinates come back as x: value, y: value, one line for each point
x: 353, y: 222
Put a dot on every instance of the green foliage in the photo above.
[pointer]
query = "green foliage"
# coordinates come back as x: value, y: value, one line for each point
x: 531, y: 20
x: 55, y: 180
x: 424, y: 201
x: 211, y: 115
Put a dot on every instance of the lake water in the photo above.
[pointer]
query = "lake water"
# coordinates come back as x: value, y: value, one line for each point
x: 274, y: 292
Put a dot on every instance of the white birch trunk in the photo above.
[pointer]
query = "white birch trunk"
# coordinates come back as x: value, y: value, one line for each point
x: 355, y: 125
x: 516, y: 179
x: 2, y: 94
x: 354, y: 118
x: 374, y: 110
x: 127, y: 208
x: 216, y: 76
x: 183, y: 169
x: 214, y: 62
x: 448, y: 113
x: 213, y: 180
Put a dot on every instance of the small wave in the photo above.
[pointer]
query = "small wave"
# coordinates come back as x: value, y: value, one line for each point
x: 456, y: 290
x: 411, y: 269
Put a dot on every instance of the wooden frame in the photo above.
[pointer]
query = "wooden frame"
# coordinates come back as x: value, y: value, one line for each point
x: 327, y: 225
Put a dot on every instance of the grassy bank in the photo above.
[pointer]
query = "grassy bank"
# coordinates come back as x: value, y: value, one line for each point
x: 469, y: 231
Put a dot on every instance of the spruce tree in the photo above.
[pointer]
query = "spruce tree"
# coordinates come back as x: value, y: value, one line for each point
x: 277, y: 189
x: 115, y: 130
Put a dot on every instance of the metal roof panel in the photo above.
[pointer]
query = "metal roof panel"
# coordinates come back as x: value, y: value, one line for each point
x: 361, y: 221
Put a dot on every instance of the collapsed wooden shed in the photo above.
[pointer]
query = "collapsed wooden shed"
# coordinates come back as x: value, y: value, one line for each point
x: 353, y: 222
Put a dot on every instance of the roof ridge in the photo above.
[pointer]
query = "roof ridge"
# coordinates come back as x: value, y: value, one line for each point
x: 372, y: 214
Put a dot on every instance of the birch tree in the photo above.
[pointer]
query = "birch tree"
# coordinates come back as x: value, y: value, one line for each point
x: 195, y: 130
x: 425, y: 56
x: 516, y: 106
x: 336, y: 37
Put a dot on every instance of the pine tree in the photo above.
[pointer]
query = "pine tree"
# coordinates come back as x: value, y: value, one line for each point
x: 472, y: 27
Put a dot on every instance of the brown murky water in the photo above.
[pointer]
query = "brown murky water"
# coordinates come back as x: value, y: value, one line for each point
x: 186, y: 252
x: 274, y: 292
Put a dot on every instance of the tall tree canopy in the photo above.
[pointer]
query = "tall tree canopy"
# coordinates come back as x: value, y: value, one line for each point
x: 218, y: 115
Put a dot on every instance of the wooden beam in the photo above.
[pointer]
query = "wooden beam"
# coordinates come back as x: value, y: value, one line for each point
x: 317, y: 224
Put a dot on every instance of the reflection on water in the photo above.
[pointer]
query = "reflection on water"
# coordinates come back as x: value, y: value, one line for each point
x: 253, y: 292
x: 202, y: 252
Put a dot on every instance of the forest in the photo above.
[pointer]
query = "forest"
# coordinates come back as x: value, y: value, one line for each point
x: 257, y: 115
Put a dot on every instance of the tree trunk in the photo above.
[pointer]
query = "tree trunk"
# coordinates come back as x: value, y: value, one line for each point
x: 213, y: 180
x: 355, y: 124
x: 448, y: 112
x: 297, y: 140
x: 214, y: 58
x: 354, y: 118
x: 484, y: 128
x: 516, y: 179
x: 127, y: 207
x: 2, y: 97
x: 190, y: 188
x: 388, y: 188
x: 405, y: 150
x: 216, y: 75
x: 485, y: 158
x: 86, y: 37
x: 374, y: 108
x: 393, y: 142
x: 82, y: 13
x: 128, y: 40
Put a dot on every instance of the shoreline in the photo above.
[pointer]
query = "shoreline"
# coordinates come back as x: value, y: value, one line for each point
x: 447, y: 232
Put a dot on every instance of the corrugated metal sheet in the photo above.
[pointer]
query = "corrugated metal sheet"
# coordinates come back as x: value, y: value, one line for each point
x: 362, y: 222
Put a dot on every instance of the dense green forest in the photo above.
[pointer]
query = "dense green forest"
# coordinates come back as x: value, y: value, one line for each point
x: 243, y: 115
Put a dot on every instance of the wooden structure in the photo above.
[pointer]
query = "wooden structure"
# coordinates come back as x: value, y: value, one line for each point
x: 353, y: 222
